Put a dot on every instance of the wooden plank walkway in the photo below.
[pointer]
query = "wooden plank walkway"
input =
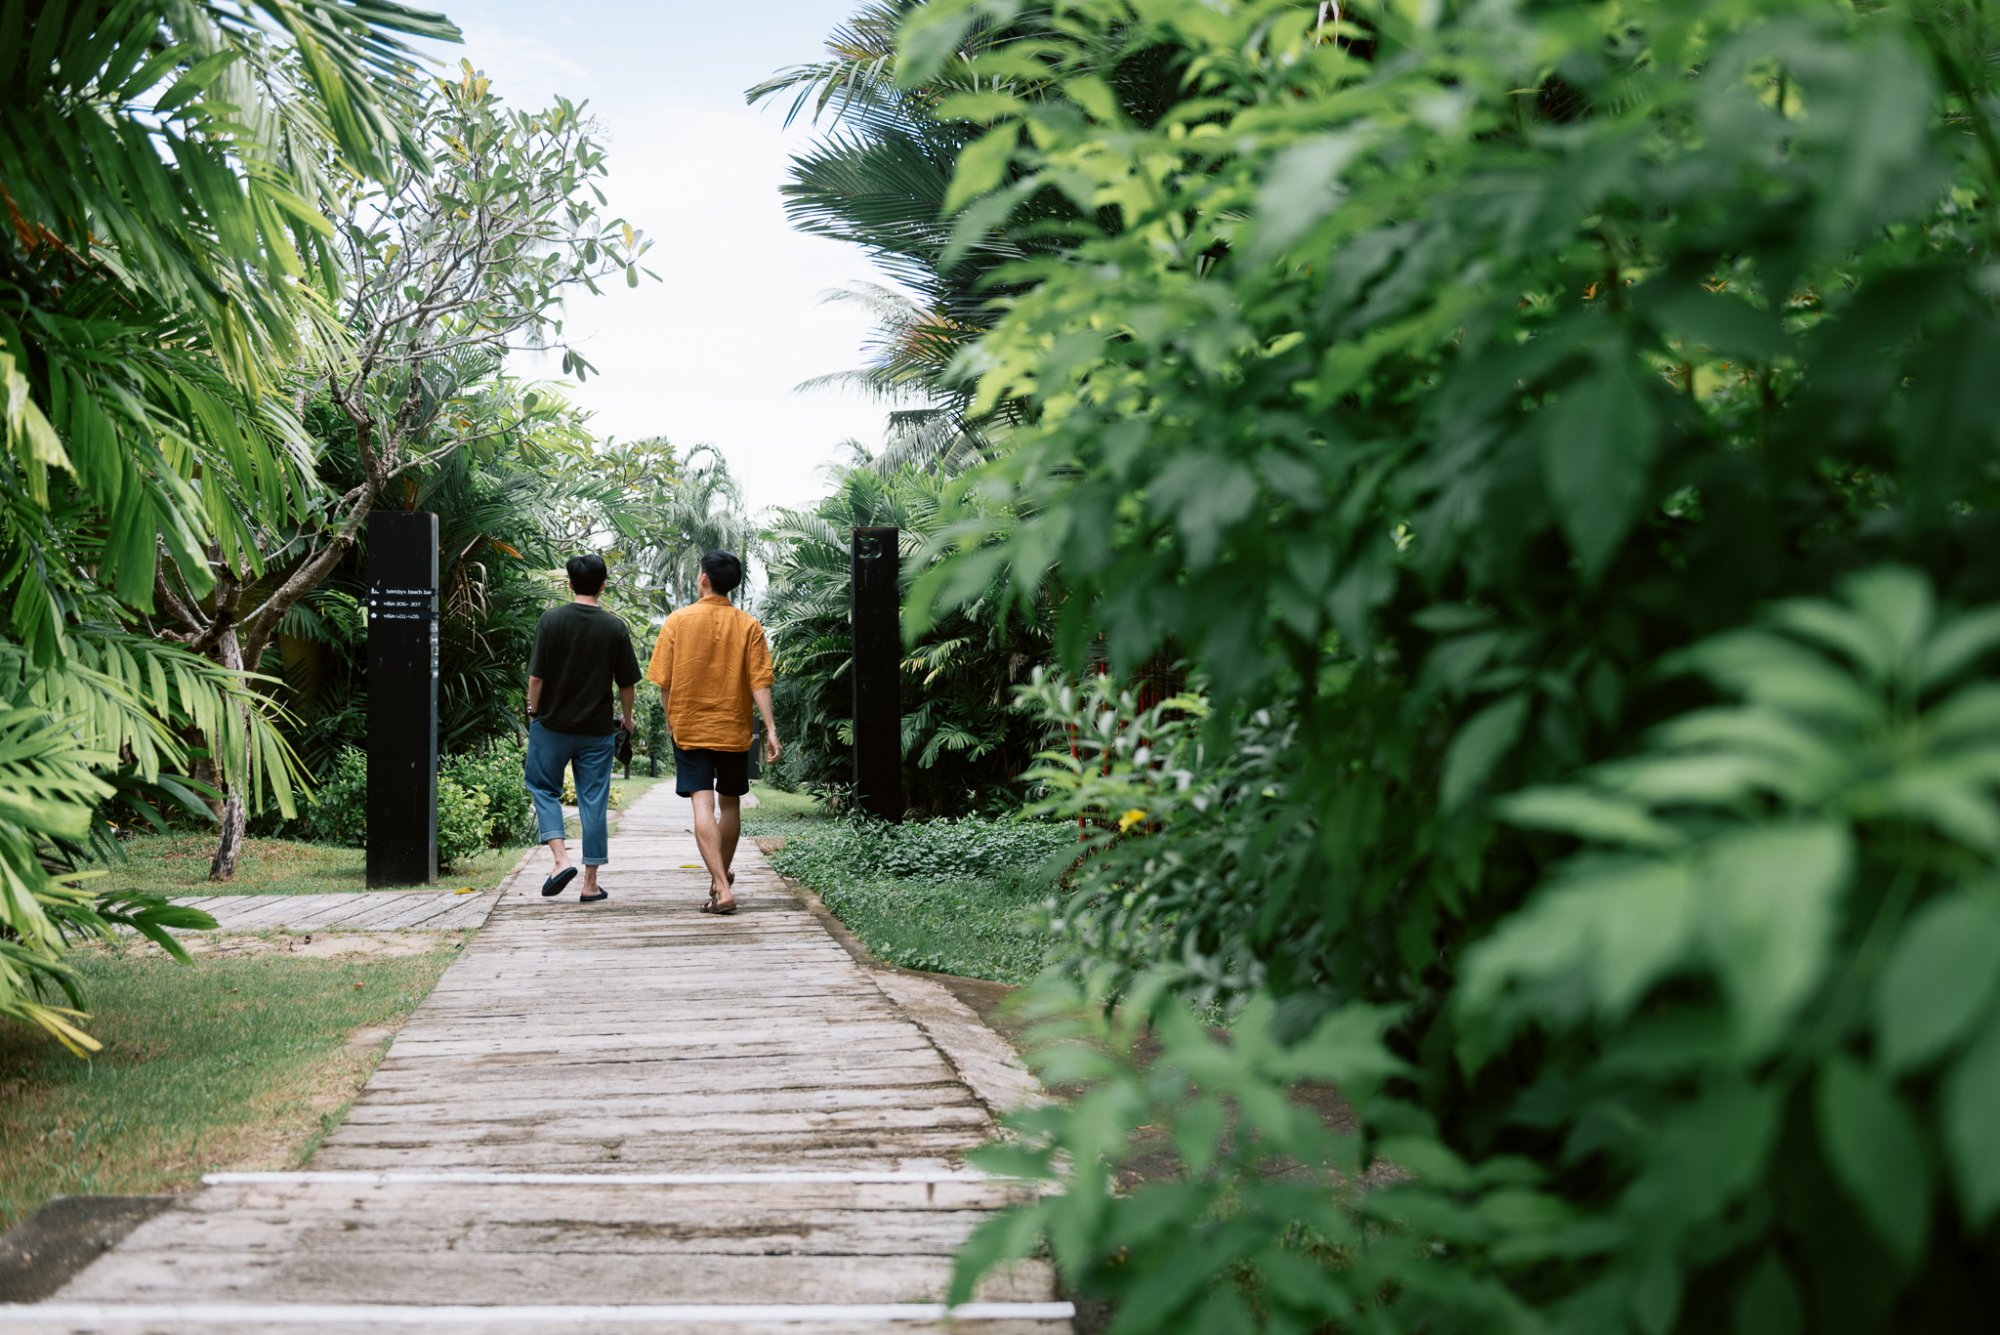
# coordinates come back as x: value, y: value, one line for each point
x: 627, y: 1115
x: 350, y: 911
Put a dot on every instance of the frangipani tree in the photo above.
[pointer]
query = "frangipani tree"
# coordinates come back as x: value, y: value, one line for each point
x: 451, y: 261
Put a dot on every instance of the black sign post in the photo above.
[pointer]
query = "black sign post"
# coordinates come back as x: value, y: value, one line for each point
x: 402, y: 697
x: 878, y: 657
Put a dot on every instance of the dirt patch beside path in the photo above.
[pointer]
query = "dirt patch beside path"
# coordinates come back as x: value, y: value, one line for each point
x: 313, y: 945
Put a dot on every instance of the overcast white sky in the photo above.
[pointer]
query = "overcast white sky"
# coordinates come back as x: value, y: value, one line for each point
x: 713, y: 352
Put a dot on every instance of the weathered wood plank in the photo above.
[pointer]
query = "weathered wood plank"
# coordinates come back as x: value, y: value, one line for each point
x: 300, y: 1275
x: 541, y: 1319
x: 555, y: 1049
x: 634, y: 1078
x: 715, y: 1154
x: 604, y: 1199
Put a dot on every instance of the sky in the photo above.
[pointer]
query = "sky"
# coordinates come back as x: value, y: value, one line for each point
x: 714, y: 351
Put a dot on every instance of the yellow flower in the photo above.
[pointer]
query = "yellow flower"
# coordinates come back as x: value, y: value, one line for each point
x: 1129, y: 819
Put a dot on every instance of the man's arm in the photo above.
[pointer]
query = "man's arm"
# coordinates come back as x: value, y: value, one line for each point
x: 758, y: 661
x: 762, y: 695
x: 535, y: 668
x: 626, y: 698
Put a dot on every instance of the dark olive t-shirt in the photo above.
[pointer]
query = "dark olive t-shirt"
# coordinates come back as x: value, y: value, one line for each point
x: 581, y: 653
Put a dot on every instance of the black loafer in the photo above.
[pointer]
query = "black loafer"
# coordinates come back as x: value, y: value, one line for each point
x: 557, y: 883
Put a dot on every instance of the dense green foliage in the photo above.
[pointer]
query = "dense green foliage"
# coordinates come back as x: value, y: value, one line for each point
x: 962, y: 740
x: 482, y: 803
x: 1554, y: 434
x: 464, y: 825
x: 950, y: 896
x: 504, y: 522
x: 338, y: 810
x: 165, y: 258
x: 498, y: 773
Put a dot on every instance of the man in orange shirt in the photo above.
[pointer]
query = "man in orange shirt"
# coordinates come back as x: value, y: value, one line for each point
x: 710, y: 663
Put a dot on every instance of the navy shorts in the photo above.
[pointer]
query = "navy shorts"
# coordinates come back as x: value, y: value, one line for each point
x: 697, y: 771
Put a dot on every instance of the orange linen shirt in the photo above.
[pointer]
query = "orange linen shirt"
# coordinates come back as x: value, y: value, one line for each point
x: 710, y: 656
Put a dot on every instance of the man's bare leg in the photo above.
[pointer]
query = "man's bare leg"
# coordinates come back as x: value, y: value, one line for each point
x: 729, y: 816
x: 708, y: 838
x: 560, y: 853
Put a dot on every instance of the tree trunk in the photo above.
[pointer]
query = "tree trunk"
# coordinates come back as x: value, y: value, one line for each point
x: 233, y: 819
x: 223, y: 868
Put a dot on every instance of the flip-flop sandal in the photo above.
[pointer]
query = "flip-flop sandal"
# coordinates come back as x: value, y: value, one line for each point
x: 719, y: 910
x: 557, y: 883
x: 601, y: 895
x: 711, y: 894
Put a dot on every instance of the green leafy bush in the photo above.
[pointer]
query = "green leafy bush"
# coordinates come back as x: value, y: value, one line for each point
x: 338, y: 812
x: 946, y: 848
x: 654, y: 741
x: 1180, y: 835
x: 1734, y: 1060
x: 498, y: 772
x: 1550, y: 418
x: 1251, y: 1212
x: 464, y: 822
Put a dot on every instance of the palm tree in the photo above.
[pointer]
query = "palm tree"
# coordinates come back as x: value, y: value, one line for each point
x: 696, y: 508
x: 163, y: 259
x: 878, y: 177
x: 961, y: 738
x: 881, y: 176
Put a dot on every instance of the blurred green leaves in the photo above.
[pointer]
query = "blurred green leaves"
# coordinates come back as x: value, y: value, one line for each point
x: 1552, y: 435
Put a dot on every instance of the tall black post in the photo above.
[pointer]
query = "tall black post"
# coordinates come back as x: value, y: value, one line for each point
x: 878, y: 656
x: 402, y: 697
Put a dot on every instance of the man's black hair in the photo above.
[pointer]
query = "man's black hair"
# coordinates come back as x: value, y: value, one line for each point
x: 724, y: 572
x: 587, y: 574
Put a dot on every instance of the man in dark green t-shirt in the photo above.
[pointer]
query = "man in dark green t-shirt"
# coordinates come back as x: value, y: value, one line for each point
x: 581, y: 652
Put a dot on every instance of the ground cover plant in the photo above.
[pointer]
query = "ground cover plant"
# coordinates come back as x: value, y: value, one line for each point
x: 231, y: 1061
x: 948, y: 896
x: 1551, y: 433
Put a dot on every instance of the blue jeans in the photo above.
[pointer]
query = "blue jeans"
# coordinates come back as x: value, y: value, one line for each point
x: 590, y: 757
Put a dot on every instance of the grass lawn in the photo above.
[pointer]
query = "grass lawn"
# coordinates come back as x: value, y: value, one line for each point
x: 781, y: 815
x: 237, y: 1062
x: 177, y: 864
